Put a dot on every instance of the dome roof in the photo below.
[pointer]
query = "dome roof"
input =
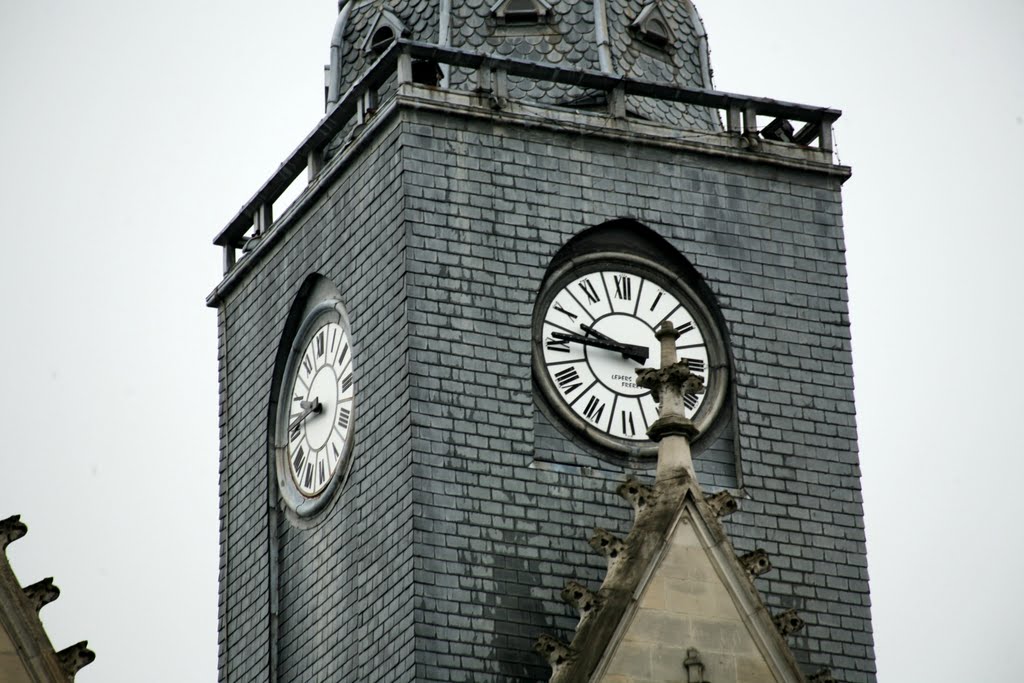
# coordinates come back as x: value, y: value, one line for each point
x: 657, y: 40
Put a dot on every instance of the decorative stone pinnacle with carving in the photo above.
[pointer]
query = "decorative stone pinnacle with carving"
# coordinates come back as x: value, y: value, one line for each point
x: 722, y: 504
x: 756, y: 563
x: 608, y: 545
x: 73, y: 658
x: 41, y: 593
x: 579, y: 596
x: 669, y: 386
x: 11, y: 529
x: 555, y: 651
x: 637, y: 494
x: 788, y: 622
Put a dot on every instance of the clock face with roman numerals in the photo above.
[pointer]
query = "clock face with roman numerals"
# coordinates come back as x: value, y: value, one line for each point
x: 594, y: 328
x: 316, y: 408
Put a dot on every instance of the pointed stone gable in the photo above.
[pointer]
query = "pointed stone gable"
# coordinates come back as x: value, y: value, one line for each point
x: 685, y: 605
x: 675, y: 597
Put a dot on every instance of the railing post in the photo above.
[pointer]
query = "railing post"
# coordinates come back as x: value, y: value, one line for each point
x: 404, y: 67
x: 825, y: 134
x: 314, y: 164
x: 262, y: 218
x: 617, y: 101
x: 483, y: 78
x: 732, y: 119
x: 499, y: 80
x: 750, y: 120
x: 229, y: 258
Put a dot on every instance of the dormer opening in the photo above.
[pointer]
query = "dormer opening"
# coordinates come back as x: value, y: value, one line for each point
x: 384, y: 30
x: 381, y: 39
x: 652, y: 28
x: 521, y: 11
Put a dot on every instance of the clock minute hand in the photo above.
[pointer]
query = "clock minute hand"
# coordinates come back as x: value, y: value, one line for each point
x: 308, y: 407
x: 637, y: 353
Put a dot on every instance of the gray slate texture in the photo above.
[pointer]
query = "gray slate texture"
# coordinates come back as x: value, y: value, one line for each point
x: 344, y: 586
x: 567, y: 38
x: 444, y: 558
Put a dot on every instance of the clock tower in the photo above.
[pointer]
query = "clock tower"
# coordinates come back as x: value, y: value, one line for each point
x: 428, y: 359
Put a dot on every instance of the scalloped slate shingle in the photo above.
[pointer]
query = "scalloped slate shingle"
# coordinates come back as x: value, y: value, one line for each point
x: 568, y: 39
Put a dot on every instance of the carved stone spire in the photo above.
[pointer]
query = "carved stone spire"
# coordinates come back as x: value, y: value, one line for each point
x: 669, y: 386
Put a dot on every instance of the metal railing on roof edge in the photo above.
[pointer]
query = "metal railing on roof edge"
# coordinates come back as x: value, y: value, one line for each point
x: 741, y: 114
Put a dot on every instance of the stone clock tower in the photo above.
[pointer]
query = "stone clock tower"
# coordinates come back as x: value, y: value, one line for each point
x: 428, y: 359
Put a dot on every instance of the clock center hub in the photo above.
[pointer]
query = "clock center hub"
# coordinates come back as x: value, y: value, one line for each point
x: 611, y: 369
x: 324, y: 388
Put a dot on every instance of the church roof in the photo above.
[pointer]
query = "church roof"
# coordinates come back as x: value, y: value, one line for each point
x: 661, y: 40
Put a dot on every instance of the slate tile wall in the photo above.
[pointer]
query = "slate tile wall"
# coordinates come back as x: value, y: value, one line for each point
x: 345, y: 607
x: 487, y: 206
x: 438, y: 240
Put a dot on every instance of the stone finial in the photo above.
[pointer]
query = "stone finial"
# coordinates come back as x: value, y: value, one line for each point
x: 580, y: 597
x: 756, y: 563
x: 722, y: 504
x: 823, y: 676
x: 41, y: 593
x: 637, y: 494
x: 75, y: 657
x: 669, y: 385
x: 11, y: 529
x: 672, y: 381
x: 555, y: 651
x: 788, y: 622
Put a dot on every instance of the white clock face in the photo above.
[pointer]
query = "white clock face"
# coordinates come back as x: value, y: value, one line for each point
x: 597, y: 330
x: 320, y: 401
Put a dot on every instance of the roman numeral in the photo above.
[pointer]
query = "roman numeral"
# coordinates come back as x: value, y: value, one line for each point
x: 571, y: 316
x: 296, y: 430
x: 347, y: 382
x: 300, y: 457
x: 628, y: 427
x: 341, y: 358
x: 694, y: 364
x: 594, y: 409
x: 308, y: 480
x: 343, y: 417
x: 560, y: 345
x: 321, y: 343
x: 690, y: 400
x: 321, y: 473
x: 624, y: 287
x: 569, y: 380
x: 657, y: 299
x: 298, y: 397
x: 307, y: 365
x: 588, y: 288
x: 685, y: 327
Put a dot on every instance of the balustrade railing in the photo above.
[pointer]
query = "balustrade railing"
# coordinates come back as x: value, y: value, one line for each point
x: 405, y: 60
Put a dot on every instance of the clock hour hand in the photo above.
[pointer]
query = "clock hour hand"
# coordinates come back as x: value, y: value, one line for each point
x: 637, y: 353
x: 308, y: 407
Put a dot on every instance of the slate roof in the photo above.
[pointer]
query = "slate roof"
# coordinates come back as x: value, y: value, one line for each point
x: 567, y: 38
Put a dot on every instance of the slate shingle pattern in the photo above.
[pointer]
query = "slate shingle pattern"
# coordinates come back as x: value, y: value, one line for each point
x: 567, y: 39
x: 444, y: 558
x: 677, y: 63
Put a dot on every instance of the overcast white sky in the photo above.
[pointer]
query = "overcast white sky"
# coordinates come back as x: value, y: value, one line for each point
x: 132, y: 131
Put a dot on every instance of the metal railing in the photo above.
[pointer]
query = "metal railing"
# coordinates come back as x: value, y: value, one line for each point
x: 741, y: 116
